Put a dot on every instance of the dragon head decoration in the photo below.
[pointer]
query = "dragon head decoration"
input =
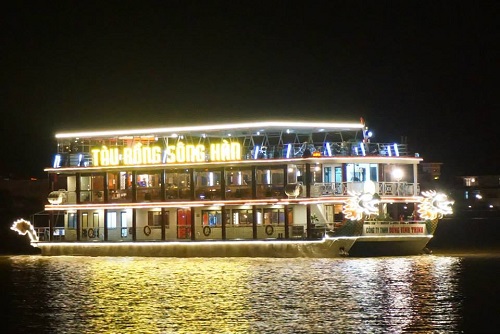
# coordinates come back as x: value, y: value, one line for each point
x: 24, y: 227
x: 359, y: 204
x: 434, y: 205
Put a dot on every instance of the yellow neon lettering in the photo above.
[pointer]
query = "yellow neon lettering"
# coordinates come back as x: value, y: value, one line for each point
x: 146, y: 155
x: 180, y: 152
x: 235, y: 151
x: 156, y: 155
x: 215, y: 152
x: 171, y: 154
x: 137, y: 154
x: 225, y: 151
x: 114, y: 156
x: 200, y: 150
x: 95, y: 156
x: 190, y: 153
x: 104, y: 156
x: 128, y: 156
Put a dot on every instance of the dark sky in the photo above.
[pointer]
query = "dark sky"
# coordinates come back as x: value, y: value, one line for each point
x: 426, y: 70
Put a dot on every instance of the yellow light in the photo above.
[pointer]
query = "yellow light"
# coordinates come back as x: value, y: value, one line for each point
x: 397, y: 173
x: 24, y: 227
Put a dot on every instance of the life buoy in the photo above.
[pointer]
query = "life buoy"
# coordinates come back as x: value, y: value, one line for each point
x: 269, y: 229
x: 147, y: 230
x: 206, y: 231
x: 91, y: 233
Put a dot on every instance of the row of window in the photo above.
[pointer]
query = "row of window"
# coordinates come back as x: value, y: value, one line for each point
x: 177, y: 182
x: 242, y: 217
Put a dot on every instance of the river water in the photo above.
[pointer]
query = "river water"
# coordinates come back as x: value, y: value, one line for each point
x: 453, y: 293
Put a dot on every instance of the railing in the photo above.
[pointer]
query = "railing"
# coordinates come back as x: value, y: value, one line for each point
x: 327, y: 149
x: 381, y: 188
x: 363, y: 149
x: 277, y: 191
x: 43, y: 233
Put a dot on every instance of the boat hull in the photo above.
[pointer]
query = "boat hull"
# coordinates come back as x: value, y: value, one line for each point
x: 326, y: 248
x: 389, y: 246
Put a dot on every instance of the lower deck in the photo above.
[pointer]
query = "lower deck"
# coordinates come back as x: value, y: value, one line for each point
x: 324, y: 248
x: 285, y: 248
x: 217, y: 223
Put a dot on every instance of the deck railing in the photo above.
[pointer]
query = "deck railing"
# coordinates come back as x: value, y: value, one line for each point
x: 326, y: 149
x: 317, y: 190
x: 380, y: 188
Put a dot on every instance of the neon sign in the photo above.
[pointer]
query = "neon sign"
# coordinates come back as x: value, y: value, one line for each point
x: 179, y: 153
x: 185, y: 153
x: 136, y: 155
x: 225, y: 151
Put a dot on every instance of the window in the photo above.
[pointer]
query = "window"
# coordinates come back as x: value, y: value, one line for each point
x: 123, y: 219
x: 177, y: 185
x: 92, y: 188
x: 123, y: 222
x: 149, y: 186
x: 212, y: 217
x: 111, y: 219
x: 207, y: 184
x: 72, y: 220
x: 270, y: 182
x: 274, y: 216
x: 119, y: 186
x: 238, y: 183
x: 95, y: 219
x: 328, y: 174
x: 338, y: 174
x: 243, y: 217
x: 85, y: 219
x: 333, y: 212
x: 154, y: 219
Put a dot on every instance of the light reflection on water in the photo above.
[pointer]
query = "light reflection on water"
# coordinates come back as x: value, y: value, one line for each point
x: 234, y: 295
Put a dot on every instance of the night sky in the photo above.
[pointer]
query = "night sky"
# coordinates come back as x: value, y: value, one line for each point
x: 426, y: 70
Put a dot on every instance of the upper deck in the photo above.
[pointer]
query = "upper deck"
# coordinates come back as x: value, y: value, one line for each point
x: 222, y: 143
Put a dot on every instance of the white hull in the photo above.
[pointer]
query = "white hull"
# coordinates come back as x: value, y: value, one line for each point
x: 389, y: 245
x: 325, y: 248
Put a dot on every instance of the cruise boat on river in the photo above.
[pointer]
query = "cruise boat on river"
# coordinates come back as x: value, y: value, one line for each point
x: 259, y: 189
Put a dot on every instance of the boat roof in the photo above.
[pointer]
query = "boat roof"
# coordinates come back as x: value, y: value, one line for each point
x: 225, y: 129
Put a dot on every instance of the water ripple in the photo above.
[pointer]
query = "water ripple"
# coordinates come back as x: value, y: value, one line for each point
x: 232, y: 295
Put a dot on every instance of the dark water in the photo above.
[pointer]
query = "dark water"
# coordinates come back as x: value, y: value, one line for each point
x: 418, y: 294
x: 455, y: 290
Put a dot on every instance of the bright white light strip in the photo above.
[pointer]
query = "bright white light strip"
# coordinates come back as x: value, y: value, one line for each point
x: 362, y: 146
x: 117, y: 206
x: 389, y: 150
x: 168, y: 244
x: 57, y: 161
x: 229, y: 126
x: 322, y: 201
x: 396, y: 151
x: 256, y: 152
x: 328, y: 149
x: 288, y: 150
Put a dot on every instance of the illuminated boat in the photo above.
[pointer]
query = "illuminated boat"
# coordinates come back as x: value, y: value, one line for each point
x: 280, y: 189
